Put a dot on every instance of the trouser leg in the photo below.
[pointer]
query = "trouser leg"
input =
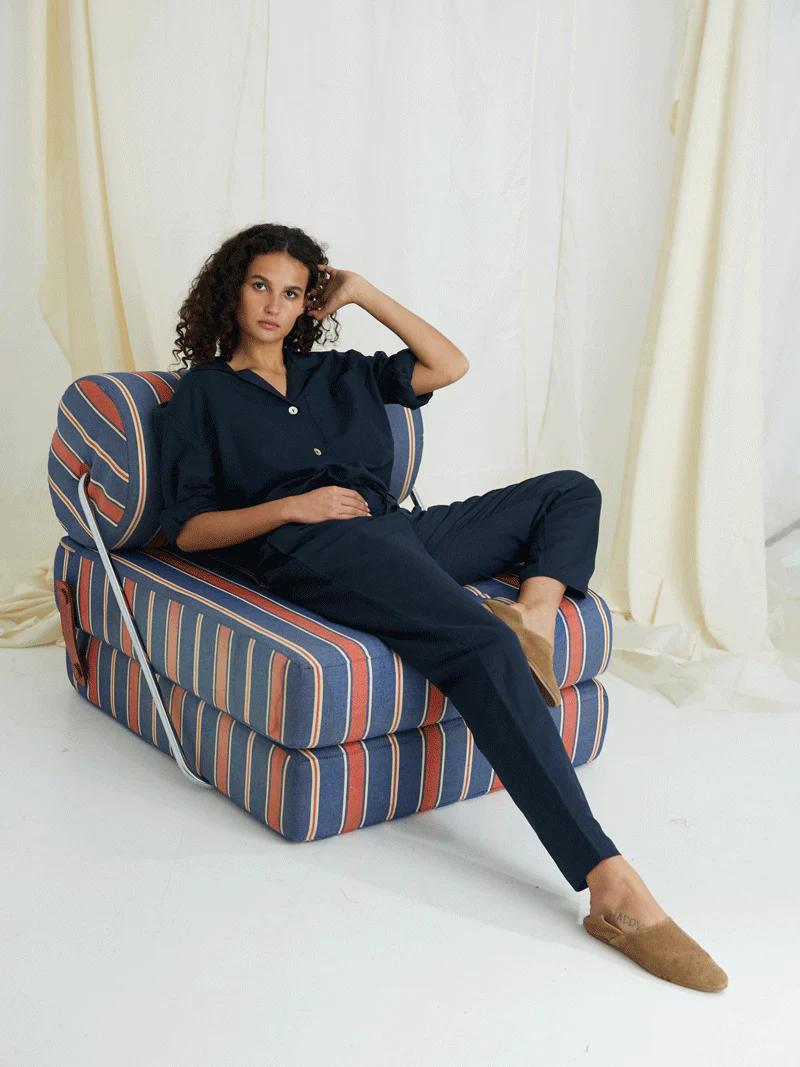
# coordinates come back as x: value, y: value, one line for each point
x: 374, y: 574
x: 544, y: 525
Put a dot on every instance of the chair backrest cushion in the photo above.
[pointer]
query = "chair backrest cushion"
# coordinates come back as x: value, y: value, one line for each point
x: 106, y: 428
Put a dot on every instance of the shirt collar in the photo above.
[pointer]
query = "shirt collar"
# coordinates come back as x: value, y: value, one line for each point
x: 290, y: 353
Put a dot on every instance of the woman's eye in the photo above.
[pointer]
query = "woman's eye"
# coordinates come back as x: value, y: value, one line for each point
x: 293, y: 294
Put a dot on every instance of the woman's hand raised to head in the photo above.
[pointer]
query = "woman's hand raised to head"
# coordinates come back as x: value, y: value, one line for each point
x: 334, y: 289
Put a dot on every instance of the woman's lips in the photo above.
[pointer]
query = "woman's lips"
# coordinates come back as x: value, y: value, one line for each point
x: 268, y: 325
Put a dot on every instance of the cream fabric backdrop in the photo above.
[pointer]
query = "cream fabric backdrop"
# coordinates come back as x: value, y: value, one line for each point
x: 573, y: 193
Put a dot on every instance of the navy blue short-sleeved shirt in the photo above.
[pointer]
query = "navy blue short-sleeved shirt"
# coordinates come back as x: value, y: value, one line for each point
x: 229, y: 439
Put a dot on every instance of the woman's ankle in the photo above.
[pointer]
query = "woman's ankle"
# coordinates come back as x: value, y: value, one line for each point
x: 611, y: 871
x: 619, y: 892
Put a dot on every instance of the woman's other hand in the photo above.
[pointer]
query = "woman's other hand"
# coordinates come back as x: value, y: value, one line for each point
x: 329, y: 502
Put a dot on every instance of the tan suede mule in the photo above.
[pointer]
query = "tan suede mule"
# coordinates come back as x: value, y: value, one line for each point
x: 538, y: 651
x: 664, y: 950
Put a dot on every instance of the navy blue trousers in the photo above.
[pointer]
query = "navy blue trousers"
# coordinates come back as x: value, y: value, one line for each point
x: 400, y: 574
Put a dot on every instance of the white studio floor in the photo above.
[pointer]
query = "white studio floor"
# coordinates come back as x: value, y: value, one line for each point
x: 148, y: 921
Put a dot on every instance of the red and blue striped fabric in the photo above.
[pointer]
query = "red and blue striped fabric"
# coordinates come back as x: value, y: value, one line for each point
x: 284, y: 671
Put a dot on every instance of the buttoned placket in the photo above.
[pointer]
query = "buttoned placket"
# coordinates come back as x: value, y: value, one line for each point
x: 256, y: 379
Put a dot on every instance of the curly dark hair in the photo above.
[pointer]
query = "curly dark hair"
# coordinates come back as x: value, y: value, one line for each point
x: 208, y: 314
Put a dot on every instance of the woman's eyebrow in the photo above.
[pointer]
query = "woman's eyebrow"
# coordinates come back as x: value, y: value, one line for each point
x: 263, y: 279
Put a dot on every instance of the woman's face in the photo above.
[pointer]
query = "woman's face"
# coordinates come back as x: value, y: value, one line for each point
x: 274, y: 289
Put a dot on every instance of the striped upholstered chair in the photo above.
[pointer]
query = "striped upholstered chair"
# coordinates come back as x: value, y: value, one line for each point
x: 312, y: 728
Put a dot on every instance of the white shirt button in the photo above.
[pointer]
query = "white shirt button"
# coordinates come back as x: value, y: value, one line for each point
x: 292, y: 410
x: 318, y: 451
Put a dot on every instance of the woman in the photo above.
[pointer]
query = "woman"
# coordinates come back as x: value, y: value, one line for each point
x: 280, y: 458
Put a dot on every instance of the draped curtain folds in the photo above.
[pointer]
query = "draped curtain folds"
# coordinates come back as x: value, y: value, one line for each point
x: 687, y: 570
x: 574, y: 193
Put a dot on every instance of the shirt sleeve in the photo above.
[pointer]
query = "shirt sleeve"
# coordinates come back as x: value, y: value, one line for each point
x: 392, y: 375
x: 187, y: 470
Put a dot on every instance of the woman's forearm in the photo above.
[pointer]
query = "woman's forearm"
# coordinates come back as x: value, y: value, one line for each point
x: 432, y: 348
x: 218, y: 529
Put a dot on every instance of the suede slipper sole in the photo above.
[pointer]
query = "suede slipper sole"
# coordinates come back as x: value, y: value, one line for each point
x: 664, y: 950
x: 538, y: 651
